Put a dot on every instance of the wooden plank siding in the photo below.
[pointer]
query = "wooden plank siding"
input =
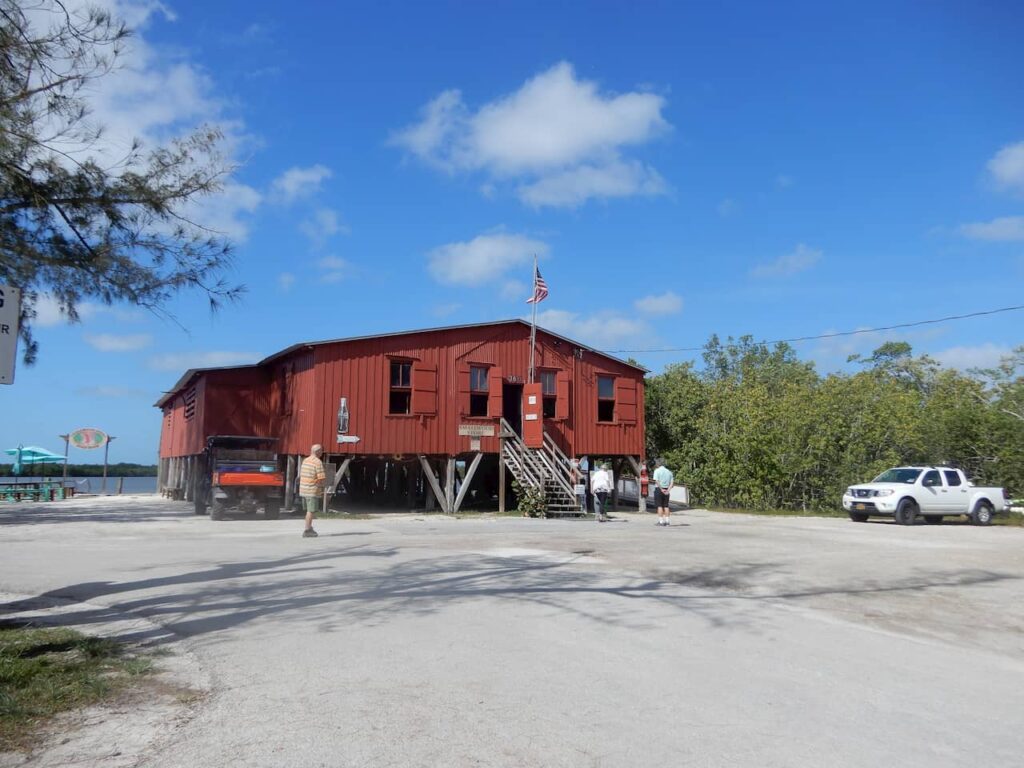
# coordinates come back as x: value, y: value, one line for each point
x: 295, y: 395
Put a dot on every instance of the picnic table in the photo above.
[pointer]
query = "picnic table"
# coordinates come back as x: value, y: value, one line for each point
x: 35, y: 491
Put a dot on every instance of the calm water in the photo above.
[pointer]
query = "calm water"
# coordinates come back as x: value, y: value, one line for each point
x: 95, y: 484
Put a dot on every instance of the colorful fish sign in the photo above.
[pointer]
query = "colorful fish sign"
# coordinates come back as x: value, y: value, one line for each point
x: 88, y: 438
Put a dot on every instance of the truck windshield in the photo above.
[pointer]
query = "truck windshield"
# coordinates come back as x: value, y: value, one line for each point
x: 901, y: 475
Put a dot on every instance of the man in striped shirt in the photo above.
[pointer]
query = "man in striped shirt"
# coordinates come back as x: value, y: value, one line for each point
x: 311, y: 486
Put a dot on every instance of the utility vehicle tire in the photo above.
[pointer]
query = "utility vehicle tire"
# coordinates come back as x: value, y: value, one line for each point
x: 216, y: 511
x: 933, y: 519
x: 982, y: 514
x: 859, y: 517
x: 273, y: 509
x: 906, y: 511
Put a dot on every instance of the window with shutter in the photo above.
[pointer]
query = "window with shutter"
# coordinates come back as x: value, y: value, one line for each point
x: 424, y: 389
x: 625, y: 400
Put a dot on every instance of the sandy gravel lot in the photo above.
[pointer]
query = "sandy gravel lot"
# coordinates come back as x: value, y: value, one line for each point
x: 414, y: 640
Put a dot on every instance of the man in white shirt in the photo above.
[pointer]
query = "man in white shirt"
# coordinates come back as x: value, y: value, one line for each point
x: 601, y: 486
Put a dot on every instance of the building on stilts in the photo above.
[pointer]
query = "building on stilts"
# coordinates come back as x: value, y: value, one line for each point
x: 437, y: 419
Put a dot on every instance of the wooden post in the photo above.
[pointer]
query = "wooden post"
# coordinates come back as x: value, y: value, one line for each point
x: 410, y: 486
x: 449, y: 486
x: 428, y: 471
x: 190, y: 478
x: 616, y: 471
x: 641, y: 499
x: 501, y: 477
x: 289, y: 482
x: 467, y: 481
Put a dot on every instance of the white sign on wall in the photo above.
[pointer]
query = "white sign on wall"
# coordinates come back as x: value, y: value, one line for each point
x: 10, y: 309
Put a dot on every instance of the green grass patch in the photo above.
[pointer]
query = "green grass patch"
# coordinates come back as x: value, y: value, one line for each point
x: 48, y: 670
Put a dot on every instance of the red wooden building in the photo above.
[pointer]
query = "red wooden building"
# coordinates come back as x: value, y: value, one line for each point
x: 393, y: 411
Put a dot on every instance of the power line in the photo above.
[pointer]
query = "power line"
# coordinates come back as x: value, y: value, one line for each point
x: 836, y: 334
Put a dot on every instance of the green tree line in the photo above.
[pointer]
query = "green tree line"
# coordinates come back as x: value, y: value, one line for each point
x: 758, y: 428
x: 80, y: 470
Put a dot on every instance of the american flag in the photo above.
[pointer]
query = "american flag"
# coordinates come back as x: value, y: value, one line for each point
x: 540, y: 288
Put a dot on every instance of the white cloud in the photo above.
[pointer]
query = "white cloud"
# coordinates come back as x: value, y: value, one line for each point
x: 184, y: 361
x: 1007, y: 228
x: 155, y: 95
x: 667, y: 303
x: 333, y: 269
x: 285, y: 281
x: 49, y: 313
x: 482, y: 259
x: 572, y: 188
x: 801, y: 259
x: 1007, y: 166
x: 322, y: 226
x: 602, y: 330
x: 109, y: 342
x: 985, y: 355
x: 225, y: 212
x: 558, y: 135
x: 296, y: 183
x: 514, y: 289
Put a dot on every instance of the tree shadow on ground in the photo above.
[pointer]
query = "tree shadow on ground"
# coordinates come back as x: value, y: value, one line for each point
x: 333, y: 590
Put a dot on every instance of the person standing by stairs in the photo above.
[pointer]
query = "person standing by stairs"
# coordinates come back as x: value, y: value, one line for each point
x: 601, y: 486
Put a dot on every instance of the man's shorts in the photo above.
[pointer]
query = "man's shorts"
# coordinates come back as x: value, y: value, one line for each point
x: 311, y: 504
x: 660, y: 498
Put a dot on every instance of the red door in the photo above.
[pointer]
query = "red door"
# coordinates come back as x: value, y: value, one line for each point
x: 533, y: 416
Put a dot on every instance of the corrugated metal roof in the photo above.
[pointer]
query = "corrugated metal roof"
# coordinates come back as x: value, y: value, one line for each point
x: 189, y: 374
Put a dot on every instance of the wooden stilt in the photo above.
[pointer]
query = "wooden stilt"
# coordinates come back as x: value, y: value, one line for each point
x: 289, y: 482
x: 449, y: 486
x: 641, y: 499
x: 428, y: 473
x: 501, y: 477
x: 466, y: 482
x: 616, y: 474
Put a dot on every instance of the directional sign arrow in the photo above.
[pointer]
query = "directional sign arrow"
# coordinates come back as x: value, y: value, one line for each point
x: 348, y: 438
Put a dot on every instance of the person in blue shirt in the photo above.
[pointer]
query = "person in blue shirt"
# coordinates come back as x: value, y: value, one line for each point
x: 663, y: 482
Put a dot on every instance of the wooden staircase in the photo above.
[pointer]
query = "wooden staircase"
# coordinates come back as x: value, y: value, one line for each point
x: 547, y: 469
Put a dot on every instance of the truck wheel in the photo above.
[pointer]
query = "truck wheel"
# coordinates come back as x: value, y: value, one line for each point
x: 982, y: 514
x: 273, y: 509
x: 216, y: 511
x: 906, y: 511
x: 859, y: 517
x: 933, y: 519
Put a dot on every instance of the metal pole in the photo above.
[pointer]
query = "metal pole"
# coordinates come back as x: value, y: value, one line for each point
x: 533, y: 324
x: 65, y: 438
x: 106, y: 452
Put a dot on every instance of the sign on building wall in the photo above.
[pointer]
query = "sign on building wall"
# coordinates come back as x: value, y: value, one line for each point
x: 10, y: 310
x: 88, y: 438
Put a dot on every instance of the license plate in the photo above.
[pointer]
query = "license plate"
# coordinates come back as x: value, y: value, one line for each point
x: 859, y: 506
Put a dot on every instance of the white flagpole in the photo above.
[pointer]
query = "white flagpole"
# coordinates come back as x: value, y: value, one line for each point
x: 533, y: 325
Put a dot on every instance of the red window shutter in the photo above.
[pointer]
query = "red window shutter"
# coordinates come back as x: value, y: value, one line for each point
x: 625, y: 400
x: 562, y: 380
x: 424, y: 388
x: 463, y: 386
x: 495, y: 394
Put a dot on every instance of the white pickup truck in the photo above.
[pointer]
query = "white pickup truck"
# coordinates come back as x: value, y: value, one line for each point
x: 904, y: 493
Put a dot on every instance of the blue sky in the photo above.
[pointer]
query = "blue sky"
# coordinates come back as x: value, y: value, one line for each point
x: 680, y: 169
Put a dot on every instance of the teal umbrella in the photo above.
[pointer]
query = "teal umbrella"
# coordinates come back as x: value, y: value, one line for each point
x: 32, y: 454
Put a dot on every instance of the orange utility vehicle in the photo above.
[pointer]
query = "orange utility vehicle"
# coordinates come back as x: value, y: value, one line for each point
x: 240, y: 474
